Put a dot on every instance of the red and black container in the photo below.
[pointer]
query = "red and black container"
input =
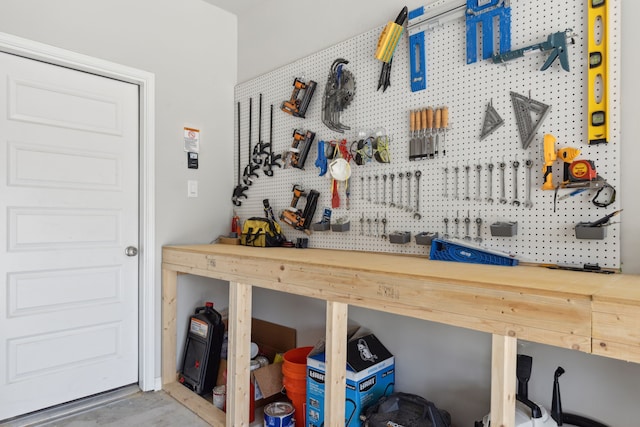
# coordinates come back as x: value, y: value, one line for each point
x: 201, y: 360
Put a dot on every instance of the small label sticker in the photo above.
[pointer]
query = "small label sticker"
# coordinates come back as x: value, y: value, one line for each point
x: 199, y: 327
x: 191, y: 140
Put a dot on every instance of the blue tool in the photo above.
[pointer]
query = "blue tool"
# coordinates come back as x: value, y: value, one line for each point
x: 422, y: 19
x: 483, y: 13
x: 556, y: 43
x: 321, y: 161
x: 446, y: 250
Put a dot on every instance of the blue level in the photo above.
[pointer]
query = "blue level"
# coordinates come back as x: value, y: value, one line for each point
x: 484, y: 14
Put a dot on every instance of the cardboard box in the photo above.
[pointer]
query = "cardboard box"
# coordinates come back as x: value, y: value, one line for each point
x: 370, y: 375
x: 271, y: 339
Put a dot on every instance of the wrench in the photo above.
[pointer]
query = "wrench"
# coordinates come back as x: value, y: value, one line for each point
x: 401, y: 176
x: 377, y: 202
x: 446, y: 183
x: 503, y: 199
x: 362, y: 187
x: 362, y: 225
x: 417, y: 215
x: 369, y: 224
x: 467, y: 222
x: 456, y: 221
x: 479, y: 178
x: 369, y: 185
x: 384, y: 228
x: 527, y: 203
x: 377, y: 221
x: 384, y: 189
x: 446, y: 228
x: 392, y: 177
x: 455, y: 182
x: 478, y: 226
x: 466, y: 182
x: 516, y: 165
x: 490, y: 182
x: 408, y: 208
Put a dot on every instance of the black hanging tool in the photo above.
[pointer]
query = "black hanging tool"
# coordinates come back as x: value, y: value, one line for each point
x: 271, y: 160
x: 260, y: 149
x: 250, y: 169
x: 240, y: 189
x: 561, y: 417
x: 384, y: 81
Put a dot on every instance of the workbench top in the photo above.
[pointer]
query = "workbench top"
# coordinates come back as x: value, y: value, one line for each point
x: 528, y: 302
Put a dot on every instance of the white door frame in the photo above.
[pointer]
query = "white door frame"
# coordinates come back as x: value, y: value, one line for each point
x: 146, y: 81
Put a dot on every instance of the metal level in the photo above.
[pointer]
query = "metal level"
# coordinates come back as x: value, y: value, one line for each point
x: 598, y: 117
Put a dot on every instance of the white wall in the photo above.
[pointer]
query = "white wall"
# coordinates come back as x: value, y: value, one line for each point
x: 446, y: 364
x: 180, y: 42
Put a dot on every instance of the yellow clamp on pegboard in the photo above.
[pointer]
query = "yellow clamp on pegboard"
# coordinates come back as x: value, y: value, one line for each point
x: 598, y: 115
x: 388, y: 41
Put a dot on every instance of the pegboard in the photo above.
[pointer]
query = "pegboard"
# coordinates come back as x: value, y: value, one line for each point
x: 543, y: 236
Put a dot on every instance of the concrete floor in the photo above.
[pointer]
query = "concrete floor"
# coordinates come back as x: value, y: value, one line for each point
x: 142, y: 409
x: 156, y: 409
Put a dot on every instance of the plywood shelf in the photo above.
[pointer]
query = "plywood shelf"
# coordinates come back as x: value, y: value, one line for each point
x: 561, y: 308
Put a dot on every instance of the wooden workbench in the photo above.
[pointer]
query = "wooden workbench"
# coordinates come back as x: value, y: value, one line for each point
x: 593, y: 313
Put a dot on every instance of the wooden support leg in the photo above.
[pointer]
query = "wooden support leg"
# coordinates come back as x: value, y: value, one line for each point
x: 336, y: 350
x: 503, y: 380
x: 238, y: 361
x: 169, y: 365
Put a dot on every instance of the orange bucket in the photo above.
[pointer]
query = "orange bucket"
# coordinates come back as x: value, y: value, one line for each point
x: 294, y: 372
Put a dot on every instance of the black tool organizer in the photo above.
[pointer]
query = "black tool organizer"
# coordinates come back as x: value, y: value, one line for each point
x: 543, y: 235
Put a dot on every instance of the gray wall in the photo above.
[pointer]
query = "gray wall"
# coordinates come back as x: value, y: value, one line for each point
x: 451, y: 365
x: 191, y: 48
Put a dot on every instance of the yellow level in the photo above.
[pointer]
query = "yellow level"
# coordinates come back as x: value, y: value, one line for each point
x: 598, y: 115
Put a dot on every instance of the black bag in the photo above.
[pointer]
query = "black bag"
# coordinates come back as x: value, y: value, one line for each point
x: 405, y: 410
x: 261, y: 232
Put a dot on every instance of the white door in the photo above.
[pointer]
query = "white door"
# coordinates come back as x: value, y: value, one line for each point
x: 68, y: 210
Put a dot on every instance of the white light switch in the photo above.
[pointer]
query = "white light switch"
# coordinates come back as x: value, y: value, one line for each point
x: 192, y: 188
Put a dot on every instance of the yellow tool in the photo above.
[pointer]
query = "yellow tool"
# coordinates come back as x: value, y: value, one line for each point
x: 550, y: 157
x: 567, y: 155
x: 598, y: 127
x: 388, y: 41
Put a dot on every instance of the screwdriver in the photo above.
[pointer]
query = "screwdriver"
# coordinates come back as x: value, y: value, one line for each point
x: 430, y: 130
x: 445, y: 125
x: 437, y: 132
x: 604, y: 220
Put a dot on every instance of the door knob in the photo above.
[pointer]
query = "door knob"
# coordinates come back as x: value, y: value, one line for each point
x: 131, y: 251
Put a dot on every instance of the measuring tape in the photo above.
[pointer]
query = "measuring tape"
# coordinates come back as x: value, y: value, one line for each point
x: 598, y: 116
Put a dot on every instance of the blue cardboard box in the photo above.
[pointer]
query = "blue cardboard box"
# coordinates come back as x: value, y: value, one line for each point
x: 370, y: 375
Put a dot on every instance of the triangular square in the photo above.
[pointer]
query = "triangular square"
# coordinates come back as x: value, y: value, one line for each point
x: 529, y: 116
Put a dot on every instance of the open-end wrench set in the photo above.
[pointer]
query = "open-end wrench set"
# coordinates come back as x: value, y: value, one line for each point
x: 498, y: 189
x: 456, y: 161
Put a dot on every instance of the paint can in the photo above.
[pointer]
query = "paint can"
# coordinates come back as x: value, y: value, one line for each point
x: 279, y: 414
x: 219, y: 396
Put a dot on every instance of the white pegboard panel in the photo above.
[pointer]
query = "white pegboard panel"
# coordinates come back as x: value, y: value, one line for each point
x: 544, y: 236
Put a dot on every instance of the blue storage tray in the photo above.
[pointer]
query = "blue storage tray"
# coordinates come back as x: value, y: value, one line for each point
x: 445, y: 250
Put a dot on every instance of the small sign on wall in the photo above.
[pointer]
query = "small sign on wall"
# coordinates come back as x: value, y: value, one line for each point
x: 191, y: 140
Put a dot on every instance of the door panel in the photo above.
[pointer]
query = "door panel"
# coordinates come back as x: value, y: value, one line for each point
x: 68, y: 209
